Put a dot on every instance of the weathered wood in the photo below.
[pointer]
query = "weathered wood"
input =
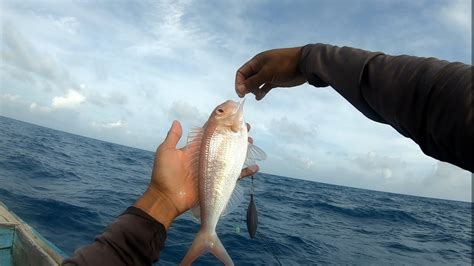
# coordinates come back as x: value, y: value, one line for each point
x: 22, y: 245
x: 6, y: 236
x: 5, y: 257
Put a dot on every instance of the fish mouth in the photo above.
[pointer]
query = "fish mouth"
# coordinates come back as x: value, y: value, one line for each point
x: 240, y: 108
x: 238, y: 117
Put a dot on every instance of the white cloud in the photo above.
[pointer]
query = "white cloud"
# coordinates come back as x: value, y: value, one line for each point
x: 168, y: 33
x: 186, y: 113
x: 289, y: 130
x: 10, y: 97
x: 67, y: 24
x: 106, y: 98
x: 26, y: 63
x: 447, y: 181
x: 34, y: 107
x: 71, y: 100
x: 166, y: 61
x: 457, y: 13
x: 109, y: 125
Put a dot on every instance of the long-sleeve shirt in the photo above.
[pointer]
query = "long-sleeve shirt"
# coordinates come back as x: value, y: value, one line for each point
x: 425, y: 99
x: 134, y: 238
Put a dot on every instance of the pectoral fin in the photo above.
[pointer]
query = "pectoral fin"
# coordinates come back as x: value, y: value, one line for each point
x: 254, y: 154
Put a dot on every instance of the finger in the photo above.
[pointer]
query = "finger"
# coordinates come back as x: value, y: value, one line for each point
x: 259, y: 94
x: 250, y: 140
x: 174, y: 134
x: 246, y: 71
x: 248, y: 171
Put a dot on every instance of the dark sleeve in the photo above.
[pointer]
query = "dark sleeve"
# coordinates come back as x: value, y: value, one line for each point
x: 425, y: 99
x: 134, y: 238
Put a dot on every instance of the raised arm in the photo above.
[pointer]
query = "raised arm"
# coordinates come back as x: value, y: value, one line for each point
x: 138, y: 235
x: 425, y: 99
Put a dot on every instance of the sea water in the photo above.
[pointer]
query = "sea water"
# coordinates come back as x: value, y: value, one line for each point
x: 70, y: 187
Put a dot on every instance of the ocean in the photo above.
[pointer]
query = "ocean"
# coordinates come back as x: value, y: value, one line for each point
x: 69, y: 187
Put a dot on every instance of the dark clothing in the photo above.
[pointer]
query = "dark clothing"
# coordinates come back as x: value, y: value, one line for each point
x: 134, y: 238
x: 425, y: 99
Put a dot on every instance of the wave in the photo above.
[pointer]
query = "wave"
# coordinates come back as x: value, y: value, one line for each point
x: 369, y: 213
x: 70, y: 187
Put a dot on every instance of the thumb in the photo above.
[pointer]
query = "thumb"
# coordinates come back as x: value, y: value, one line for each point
x: 174, y: 135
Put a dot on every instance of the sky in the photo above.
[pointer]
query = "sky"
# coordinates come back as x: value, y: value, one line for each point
x: 122, y: 71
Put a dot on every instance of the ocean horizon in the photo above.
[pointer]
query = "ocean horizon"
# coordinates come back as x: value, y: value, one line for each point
x: 69, y: 187
x: 273, y: 174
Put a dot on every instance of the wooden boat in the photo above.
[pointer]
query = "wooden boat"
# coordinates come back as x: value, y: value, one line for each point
x: 22, y: 245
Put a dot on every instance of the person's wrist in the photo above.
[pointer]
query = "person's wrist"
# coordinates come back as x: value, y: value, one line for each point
x: 302, y: 56
x: 157, y: 205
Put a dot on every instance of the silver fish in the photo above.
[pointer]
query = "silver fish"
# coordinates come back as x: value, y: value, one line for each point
x: 216, y: 154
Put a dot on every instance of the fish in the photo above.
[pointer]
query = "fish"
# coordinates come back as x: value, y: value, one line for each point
x: 216, y: 154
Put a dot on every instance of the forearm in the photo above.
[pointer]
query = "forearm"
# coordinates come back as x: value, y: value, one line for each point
x: 426, y: 99
x: 134, y: 238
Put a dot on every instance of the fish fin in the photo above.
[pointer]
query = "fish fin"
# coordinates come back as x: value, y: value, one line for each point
x: 254, y: 154
x: 193, y: 147
x: 206, y: 242
x: 196, y: 213
x: 236, y: 198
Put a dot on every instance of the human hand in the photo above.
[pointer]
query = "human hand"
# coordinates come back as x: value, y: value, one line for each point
x: 172, y: 191
x: 268, y: 70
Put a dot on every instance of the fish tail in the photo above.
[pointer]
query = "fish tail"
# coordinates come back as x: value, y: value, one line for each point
x: 203, y: 242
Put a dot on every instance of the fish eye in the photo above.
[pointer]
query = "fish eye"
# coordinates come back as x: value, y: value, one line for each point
x: 220, y: 111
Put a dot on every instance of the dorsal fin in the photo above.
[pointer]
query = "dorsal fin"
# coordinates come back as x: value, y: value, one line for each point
x: 193, y: 147
x: 191, y: 153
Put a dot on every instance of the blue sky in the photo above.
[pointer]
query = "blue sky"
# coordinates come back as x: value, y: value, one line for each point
x: 121, y: 71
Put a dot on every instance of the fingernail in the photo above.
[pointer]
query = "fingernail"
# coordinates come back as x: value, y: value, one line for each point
x: 241, y: 90
x: 254, y: 168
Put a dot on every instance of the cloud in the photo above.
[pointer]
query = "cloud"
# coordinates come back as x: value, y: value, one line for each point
x: 71, y: 100
x: 10, y: 97
x: 34, y: 107
x: 457, y: 13
x: 25, y: 62
x: 166, y: 60
x: 385, y: 164
x: 169, y: 34
x: 104, y: 99
x: 186, y: 113
x: 110, y: 125
x: 67, y: 24
x: 447, y: 181
x: 289, y: 130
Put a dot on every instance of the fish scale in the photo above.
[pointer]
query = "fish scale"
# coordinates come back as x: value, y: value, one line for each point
x: 221, y: 147
x: 220, y: 171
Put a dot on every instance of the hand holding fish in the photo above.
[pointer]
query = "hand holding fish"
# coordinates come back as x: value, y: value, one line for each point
x: 171, y: 192
x: 268, y: 70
